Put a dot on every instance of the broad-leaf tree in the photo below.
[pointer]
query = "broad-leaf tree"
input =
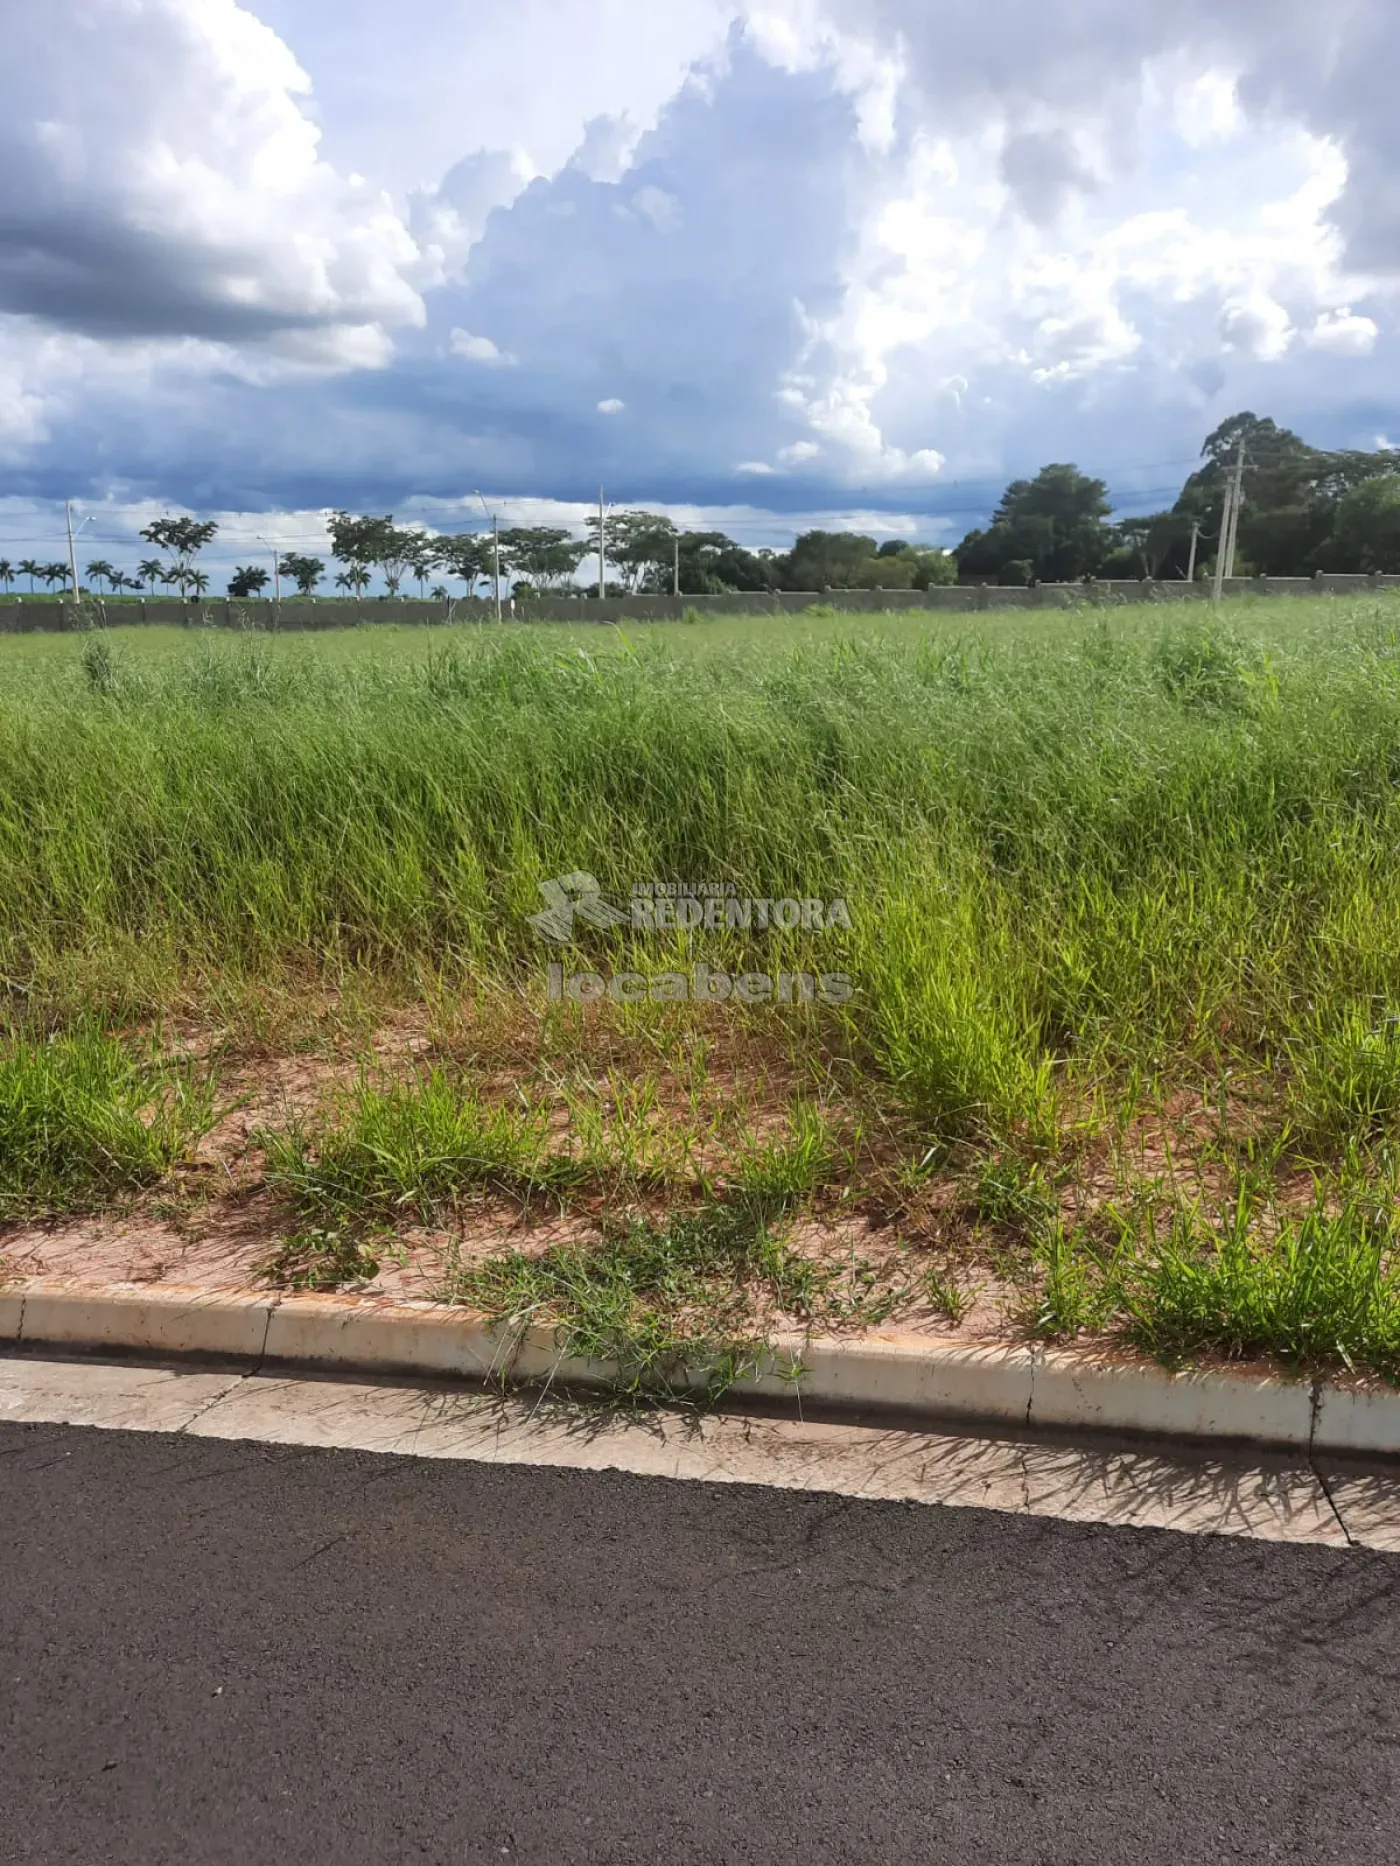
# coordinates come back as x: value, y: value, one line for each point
x: 541, y: 555
x: 1054, y: 524
x: 182, y: 539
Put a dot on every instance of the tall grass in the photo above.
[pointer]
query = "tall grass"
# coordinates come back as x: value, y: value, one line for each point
x: 83, y: 1120
x: 1078, y: 848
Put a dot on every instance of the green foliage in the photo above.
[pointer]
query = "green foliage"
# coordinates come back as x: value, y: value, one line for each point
x: 182, y: 539
x: 667, y: 1302
x: 305, y: 572
x: 1053, y: 524
x: 83, y: 1121
x: 1366, y: 529
x: 848, y: 560
x: 1323, y: 1292
x: 542, y: 555
x: 409, y: 1149
x: 1347, y: 1081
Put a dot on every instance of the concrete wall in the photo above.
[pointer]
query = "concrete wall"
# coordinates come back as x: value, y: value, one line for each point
x: 335, y: 612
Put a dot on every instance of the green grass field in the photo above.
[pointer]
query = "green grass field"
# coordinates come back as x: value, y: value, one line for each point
x: 1125, y: 943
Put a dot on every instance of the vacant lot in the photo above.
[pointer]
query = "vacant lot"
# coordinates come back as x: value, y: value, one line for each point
x: 1120, y: 1053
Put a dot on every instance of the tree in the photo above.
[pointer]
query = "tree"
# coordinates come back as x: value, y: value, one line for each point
x: 373, y: 543
x: 1153, y: 546
x: 100, y: 571
x: 7, y: 574
x: 543, y: 556
x: 197, y: 580
x: 151, y: 571
x: 439, y: 593
x: 248, y: 580
x: 1366, y: 533
x: 638, y: 544
x: 28, y: 568
x: 1054, y: 522
x: 849, y: 560
x: 182, y: 539
x: 420, y: 557
x: 305, y: 572
x: 827, y: 560
x: 712, y: 564
x: 1288, y: 509
x: 468, y: 555
x: 356, y: 578
x: 53, y: 574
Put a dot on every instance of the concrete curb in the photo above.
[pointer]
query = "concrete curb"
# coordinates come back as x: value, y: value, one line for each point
x: 1010, y: 1385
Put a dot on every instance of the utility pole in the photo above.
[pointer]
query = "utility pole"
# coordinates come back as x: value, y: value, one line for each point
x: 676, y: 576
x: 72, y: 551
x: 1195, y: 540
x: 602, y: 552
x: 1235, y: 505
x: 495, y: 553
x: 276, y: 567
x: 1229, y: 524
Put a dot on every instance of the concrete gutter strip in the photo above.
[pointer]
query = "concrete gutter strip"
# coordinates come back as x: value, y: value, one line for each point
x: 1012, y: 1385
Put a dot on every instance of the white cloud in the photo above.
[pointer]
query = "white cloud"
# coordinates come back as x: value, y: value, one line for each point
x: 160, y: 179
x: 662, y: 210
x: 869, y: 247
x: 1342, y: 333
x: 1257, y: 325
x: 448, y: 220
x: 479, y: 350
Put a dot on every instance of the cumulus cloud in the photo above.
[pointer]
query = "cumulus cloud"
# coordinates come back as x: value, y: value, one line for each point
x: 1258, y: 325
x: 1042, y: 169
x: 855, y: 249
x: 448, y: 220
x: 479, y: 350
x: 1344, y: 334
x: 159, y: 179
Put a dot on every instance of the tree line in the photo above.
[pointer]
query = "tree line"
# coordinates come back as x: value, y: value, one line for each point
x: 644, y: 553
x: 1305, y: 509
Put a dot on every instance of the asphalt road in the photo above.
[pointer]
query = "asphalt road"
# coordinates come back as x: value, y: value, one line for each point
x: 241, y: 1653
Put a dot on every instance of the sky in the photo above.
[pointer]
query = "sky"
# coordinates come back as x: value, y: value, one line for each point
x: 762, y: 264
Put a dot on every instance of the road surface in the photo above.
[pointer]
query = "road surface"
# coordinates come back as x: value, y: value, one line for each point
x: 239, y: 1652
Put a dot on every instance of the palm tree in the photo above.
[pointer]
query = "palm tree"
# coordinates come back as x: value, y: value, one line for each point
x: 199, y: 581
x: 53, y: 574
x: 101, y: 571
x: 153, y: 571
x: 7, y: 574
x: 439, y: 593
x: 28, y: 568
